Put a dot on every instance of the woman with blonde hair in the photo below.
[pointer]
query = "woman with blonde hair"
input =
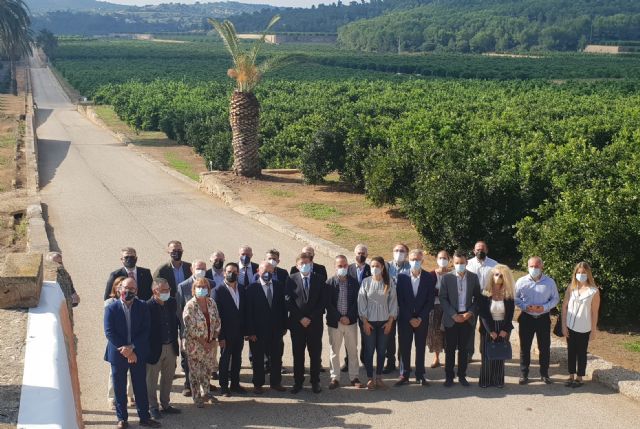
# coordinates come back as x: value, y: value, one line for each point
x: 378, y: 310
x: 579, y: 319
x: 496, y: 314
x: 202, y: 325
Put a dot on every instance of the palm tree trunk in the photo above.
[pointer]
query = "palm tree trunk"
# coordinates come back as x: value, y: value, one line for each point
x: 244, y: 117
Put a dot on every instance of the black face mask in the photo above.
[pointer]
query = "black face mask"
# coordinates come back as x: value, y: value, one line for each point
x: 176, y: 255
x: 245, y: 259
x: 218, y: 264
x: 231, y: 277
x: 361, y: 258
x: 129, y: 296
x: 129, y: 261
x: 481, y: 255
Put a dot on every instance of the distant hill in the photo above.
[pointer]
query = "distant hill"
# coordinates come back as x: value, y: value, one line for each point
x: 43, y: 6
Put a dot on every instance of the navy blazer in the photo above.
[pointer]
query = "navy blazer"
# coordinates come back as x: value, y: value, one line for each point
x: 115, y: 329
x: 264, y: 321
x: 298, y: 309
x: 144, y: 281
x: 282, y: 276
x: 317, y: 269
x: 352, y: 271
x: 410, y: 306
x: 332, y: 291
x: 166, y: 272
x: 486, y: 318
x: 232, y: 318
x: 155, y: 335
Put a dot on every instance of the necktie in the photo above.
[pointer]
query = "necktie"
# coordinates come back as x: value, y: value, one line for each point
x: 131, y: 276
x: 269, y: 294
x: 246, y: 276
x: 306, y: 288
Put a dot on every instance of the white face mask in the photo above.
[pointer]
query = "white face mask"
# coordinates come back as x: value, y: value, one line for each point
x: 415, y: 265
x: 165, y: 296
x: 199, y: 274
x: 443, y: 262
x: 342, y: 272
x: 535, y: 272
x: 273, y: 263
x: 399, y: 256
x: 375, y: 271
x: 460, y: 268
x: 582, y: 277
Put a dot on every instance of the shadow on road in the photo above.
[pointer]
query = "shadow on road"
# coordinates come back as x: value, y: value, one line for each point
x: 51, y: 153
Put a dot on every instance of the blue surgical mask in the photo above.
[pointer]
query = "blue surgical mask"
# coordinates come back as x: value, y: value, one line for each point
x: 582, y: 277
x: 535, y: 272
x: 460, y: 268
x: 202, y: 292
x: 376, y: 271
x: 305, y: 268
x: 165, y: 296
x: 266, y: 276
x: 342, y: 272
x: 415, y: 265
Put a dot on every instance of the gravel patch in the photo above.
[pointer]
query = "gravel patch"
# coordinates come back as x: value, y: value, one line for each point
x: 12, y: 346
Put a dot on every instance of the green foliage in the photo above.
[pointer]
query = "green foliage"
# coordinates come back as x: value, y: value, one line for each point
x: 632, y: 346
x: 319, y: 211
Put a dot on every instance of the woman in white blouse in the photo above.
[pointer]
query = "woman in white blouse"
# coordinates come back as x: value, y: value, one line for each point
x: 378, y: 310
x: 579, y: 320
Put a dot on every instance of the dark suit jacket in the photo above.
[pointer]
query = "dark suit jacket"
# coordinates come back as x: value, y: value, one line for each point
x: 449, y: 297
x: 232, y: 318
x: 166, y: 272
x: 264, y: 321
x: 115, y: 329
x: 155, y: 336
x: 144, y: 282
x: 319, y: 270
x: 332, y: 291
x: 353, y: 272
x: 254, y: 270
x: 487, y: 324
x: 298, y: 309
x: 410, y: 306
x: 282, y: 275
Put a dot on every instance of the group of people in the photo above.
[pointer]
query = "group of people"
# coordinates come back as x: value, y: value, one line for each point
x: 187, y: 310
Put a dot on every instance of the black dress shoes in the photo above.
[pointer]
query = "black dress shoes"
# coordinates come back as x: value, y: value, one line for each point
x: 523, y: 380
x: 315, y: 388
x: 546, y: 379
x: 422, y: 382
x: 296, y: 388
x: 448, y: 382
x: 463, y: 381
x: 389, y: 368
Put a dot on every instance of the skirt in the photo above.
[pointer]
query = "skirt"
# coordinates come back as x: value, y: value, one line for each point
x: 435, y: 336
x: 491, y: 371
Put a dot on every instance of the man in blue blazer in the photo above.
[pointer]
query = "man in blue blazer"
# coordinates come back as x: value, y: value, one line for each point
x: 266, y: 325
x: 416, y: 297
x: 127, y: 328
x: 230, y: 299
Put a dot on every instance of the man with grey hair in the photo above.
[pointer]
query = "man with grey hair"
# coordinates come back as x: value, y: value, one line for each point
x: 318, y: 270
x: 536, y: 294
x: 360, y: 270
x: 198, y: 270
x: 248, y: 270
x: 63, y: 278
x: 216, y: 272
x: 130, y: 269
x: 163, y: 347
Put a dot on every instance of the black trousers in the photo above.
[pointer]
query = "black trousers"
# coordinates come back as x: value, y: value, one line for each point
x: 271, y: 346
x: 577, y: 345
x: 232, y: 352
x: 541, y: 328
x: 456, y: 337
x: 184, y: 363
x: 309, y: 338
x: 407, y: 335
x: 391, y: 346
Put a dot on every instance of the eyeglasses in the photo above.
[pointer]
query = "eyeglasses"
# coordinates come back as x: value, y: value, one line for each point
x: 497, y: 275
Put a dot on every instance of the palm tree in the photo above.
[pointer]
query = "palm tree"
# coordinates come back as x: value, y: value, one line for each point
x: 244, y: 112
x: 15, y: 35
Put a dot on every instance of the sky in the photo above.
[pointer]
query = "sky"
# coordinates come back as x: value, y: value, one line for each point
x: 296, y: 3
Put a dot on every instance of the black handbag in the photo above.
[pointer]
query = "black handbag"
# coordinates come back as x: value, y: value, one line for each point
x: 498, y: 350
x: 557, y: 329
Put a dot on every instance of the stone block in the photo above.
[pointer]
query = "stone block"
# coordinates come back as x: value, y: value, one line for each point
x: 21, y: 280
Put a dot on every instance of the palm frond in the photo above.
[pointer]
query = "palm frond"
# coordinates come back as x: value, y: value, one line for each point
x: 260, y: 42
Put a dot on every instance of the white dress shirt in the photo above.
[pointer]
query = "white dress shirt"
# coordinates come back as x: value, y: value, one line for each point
x: 235, y: 294
x: 462, y: 292
x: 481, y: 268
x: 415, y: 283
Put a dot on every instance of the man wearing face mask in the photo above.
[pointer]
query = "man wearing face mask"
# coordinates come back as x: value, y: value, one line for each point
x: 216, y: 272
x: 176, y: 270
x: 280, y: 275
x: 248, y: 270
x: 318, y: 270
x: 304, y: 295
x: 480, y: 265
x: 184, y: 294
x: 142, y: 276
x: 360, y: 270
x: 231, y: 302
x: 536, y: 295
x: 460, y: 295
x: 126, y: 326
x: 399, y: 265
x: 266, y: 323
x: 416, y: 296
x: 163, y: 348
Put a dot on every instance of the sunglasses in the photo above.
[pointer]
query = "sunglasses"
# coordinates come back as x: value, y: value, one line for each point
x: 499, y: 275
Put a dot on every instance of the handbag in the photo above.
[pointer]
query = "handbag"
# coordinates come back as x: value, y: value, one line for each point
x: 557, y: 329
x: 498, y: 350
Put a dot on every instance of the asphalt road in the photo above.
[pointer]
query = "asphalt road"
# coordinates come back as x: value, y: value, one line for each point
x: 100, y: 196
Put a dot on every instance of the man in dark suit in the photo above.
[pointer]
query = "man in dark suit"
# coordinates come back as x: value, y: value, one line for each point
x: 230, y: 299
x: 305, y: 301
x: 459, y: 297
x: 216, y: 272
x: 126, y: 326
x: 163, y: 348
x: 142, y: 276
x: 280, y: 275
x: 248, y: 270
x: 176, y: 270
x: 266, y: 325
x: 360, y: 270
x: 342, y: 314
x: 183, y: 295
x: 317, y: 269
x: 416, y: 298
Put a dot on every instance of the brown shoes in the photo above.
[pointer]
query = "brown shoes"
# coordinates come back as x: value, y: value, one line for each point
x: 356, y: 383
x: 334, y: 384
x: 122, y: 424
x: 371, y: 384
x: 279, y: 388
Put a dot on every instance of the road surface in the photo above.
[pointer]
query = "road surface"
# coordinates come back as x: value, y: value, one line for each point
x: 101, y: 196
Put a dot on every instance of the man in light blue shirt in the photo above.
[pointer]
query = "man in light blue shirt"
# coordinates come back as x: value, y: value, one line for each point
x: 536, y: 295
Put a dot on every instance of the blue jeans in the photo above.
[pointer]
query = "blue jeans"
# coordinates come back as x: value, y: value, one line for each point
x: 375, y: 342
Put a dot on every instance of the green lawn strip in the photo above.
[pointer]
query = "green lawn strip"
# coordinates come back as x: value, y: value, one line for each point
x: 633, y: 346
x: 319, y: 211
x: 181, y: 166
